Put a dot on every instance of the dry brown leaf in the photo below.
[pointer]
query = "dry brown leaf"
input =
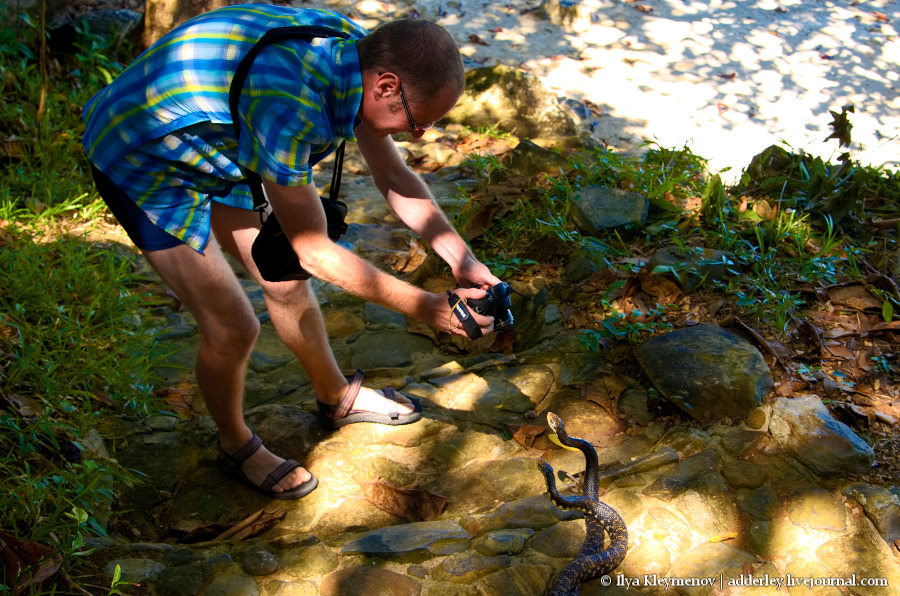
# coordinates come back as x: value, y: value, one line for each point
x: 504, y: 341
x: 853, y: 296
x: 410, y: 503
x: 181, y: 399
x: 38, y: 562
x: 413, y: 258
x: 525, y: 434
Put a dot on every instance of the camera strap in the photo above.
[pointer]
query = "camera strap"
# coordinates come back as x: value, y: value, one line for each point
x: 234, y: 93
x: 464, y: 315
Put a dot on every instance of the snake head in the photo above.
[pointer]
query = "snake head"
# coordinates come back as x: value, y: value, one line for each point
x: 555, y: 423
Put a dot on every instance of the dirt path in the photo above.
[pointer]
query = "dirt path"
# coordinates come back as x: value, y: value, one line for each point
x: 727, y: 77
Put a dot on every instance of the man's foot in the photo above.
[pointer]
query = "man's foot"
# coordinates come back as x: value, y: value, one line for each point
x: 275, y: 477
x: 360, y: 404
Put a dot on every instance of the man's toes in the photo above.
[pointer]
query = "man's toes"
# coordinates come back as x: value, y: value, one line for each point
x: 297, y: 477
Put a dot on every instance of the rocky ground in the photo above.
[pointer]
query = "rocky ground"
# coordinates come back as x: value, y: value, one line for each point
x: 764, y: 495
x: 772, y: 494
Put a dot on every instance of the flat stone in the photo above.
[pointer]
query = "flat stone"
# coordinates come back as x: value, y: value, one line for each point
x: 531, y: 512
x: 388, y: 348
x: 743, y: 474
x: 465, y: 568
x: 317, y: 559
x: 406, y: 538
x: 864, y: 554
x: 817, y: 509
x: 366, y: 581
x: 698, y: 472
x: 560, y: 540
x: 258, y: 561
x: 502, y: 542
x: 647, y: 558
x: 520, y: 579
x: 232, y: 583
x: 135, y: 570
x: 291, y: 588
x: 177, y: 581
x: 805, y: 428
x: 673, y: 531
x: 881, y: 505
x: 759, y: 504
x: 708, y: 560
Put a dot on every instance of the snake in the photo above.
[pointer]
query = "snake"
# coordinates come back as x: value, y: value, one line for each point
x: 592, y: 560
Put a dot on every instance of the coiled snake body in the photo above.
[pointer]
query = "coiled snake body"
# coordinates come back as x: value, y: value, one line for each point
x: 592, y: 560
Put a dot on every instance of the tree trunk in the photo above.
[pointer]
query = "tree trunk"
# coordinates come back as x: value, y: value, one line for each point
x: 160, y: 16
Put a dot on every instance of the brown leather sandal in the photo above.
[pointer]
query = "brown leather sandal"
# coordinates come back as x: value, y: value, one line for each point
x: 230, y: 463
x: 334, y: 417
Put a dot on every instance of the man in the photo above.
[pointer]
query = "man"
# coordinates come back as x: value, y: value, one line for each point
x: 162, y: 144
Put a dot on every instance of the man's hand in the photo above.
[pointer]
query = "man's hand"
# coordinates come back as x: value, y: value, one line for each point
x: 445, y: 320
x: 472, y: 273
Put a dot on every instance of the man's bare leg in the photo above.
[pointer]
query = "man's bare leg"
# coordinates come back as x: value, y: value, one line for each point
x: 295, y: 313
x: 228, y: 329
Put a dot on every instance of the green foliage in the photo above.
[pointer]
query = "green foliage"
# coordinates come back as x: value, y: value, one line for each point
x: 71, y: 347
x: 42, y: 162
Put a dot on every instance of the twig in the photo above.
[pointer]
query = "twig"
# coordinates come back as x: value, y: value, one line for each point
x: 43, y: 66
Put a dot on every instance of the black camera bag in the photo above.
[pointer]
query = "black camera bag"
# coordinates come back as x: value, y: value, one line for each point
x: 272, y: 251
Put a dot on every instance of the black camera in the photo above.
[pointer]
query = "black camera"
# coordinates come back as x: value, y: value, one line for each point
x: 495, y: 304
x: 272, y: 251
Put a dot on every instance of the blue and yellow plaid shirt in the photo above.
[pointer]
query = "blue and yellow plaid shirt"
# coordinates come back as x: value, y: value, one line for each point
x: 162, y: 130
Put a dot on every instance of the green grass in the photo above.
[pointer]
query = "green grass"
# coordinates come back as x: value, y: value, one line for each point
x: 71, y: 350
x: 73, y: 344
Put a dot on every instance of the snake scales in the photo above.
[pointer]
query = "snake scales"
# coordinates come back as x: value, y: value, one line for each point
x: 592, y: 560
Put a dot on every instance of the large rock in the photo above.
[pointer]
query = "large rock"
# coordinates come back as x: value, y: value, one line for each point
x: 707, y: 371
x: 596, y: 209
x: 514, y: 101
x: 804, y: 427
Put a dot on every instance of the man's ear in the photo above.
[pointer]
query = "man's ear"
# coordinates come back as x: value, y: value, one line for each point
x: 386, y: 85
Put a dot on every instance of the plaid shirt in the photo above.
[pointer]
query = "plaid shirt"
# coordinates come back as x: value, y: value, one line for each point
x: 162, y: 131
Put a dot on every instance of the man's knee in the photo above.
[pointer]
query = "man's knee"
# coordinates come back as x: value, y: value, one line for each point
x: 236, y: 334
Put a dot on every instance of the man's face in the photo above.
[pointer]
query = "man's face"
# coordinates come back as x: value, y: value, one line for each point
x: 384, y: 110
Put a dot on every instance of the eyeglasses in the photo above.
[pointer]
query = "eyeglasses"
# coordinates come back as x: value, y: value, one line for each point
x: 412, y: 125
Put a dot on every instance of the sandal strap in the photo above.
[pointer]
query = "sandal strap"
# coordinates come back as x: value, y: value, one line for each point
x: 238, y: 458
x: 275, y: 476
x: 390, y: 394
x: 346, y: 404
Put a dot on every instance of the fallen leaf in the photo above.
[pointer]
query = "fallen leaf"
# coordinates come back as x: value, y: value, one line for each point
x: 723, y: 537
x: 181, y: 399
x: 853, y: 296
x: 477, y: 40
x: 504, y: 341
x: 643, y: 8
x: 727, y: 75
x: 880, y: 16
x: 410, y: 503
x: 414, y: 257
x: 28, y: 563
x: 525, y: 434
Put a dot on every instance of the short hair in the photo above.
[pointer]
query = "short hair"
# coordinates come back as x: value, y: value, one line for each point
x: 421, y: 53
